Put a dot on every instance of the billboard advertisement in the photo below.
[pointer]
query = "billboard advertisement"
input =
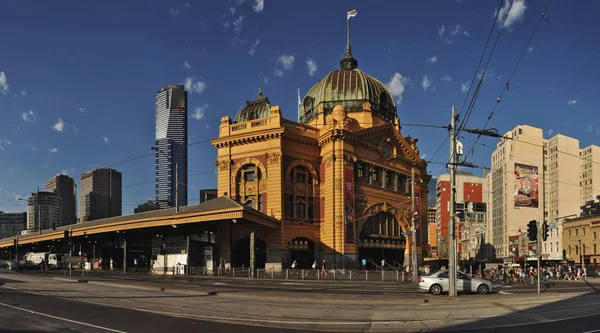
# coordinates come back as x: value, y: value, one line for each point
x: 349, y: 204
x: 526, y: 186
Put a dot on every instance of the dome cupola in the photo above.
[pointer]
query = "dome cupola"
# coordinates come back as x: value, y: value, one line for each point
x: 256, y: 109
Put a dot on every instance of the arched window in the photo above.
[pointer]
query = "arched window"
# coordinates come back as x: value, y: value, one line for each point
x: 381, y: 224
x: 299, y: 194
x: 248, y: 190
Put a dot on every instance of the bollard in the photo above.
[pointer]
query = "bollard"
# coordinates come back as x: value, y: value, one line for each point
x: 382, y: 275
x: 397, y: 276
x: 366, y: 275
x: 286, y: 273
x: 334, y: 275
x: 350, y: 275
x: 233, y: 272
x: 302, y: 274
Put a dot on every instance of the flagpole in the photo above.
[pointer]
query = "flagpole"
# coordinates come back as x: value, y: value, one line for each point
x: 348, y: 31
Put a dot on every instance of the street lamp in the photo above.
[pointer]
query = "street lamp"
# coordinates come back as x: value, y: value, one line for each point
x: 155, y: 148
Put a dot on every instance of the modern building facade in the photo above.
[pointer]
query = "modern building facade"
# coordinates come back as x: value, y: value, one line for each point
x: 590, y: 169
x: 66, y: 189
x: 101, y: 194
x: 12, y: 223
x: 339, y: 180
x: 44, y: 211
x: 146, y: 207
x: 470, y: 213
x: 209, y: 194
x: 432, y: 229
x: 171, y: 157
x: 516, y: 178
x: 561, y: 187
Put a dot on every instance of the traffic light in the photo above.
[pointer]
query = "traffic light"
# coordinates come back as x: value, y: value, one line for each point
x: 532, y: 230
x: 545, y: 233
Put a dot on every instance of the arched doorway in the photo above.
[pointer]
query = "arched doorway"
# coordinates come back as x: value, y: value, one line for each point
x: 381, y: 238
x: 241, y: 253
x: 303, y: 251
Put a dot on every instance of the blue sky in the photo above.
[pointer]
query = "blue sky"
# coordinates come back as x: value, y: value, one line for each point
x: 78, y: 79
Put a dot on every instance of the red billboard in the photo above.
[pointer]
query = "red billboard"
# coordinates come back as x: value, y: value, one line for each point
x: 526, y: 186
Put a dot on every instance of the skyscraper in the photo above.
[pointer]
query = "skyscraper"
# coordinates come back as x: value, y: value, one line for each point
x: 171, y: 146
x: 43, y: 211
x: 66, y: 189
x: 101, y: 194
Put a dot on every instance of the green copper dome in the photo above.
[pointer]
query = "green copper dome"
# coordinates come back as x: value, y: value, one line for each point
x: 256, y: 109
x: 351, y: 88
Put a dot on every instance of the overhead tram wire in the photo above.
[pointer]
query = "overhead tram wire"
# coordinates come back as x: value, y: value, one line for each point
x: 476, y: 94
x: 507, y: 85
x: 481, y: 57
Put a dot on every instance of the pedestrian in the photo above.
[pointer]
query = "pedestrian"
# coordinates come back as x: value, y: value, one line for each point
x: 111, y: 265
x: 222, y: 265
x: 294, y: 264
x: 364, y: 263
x: 382, y: 263
x: 135, y: 263
x: 323, y: 270
x: 151, y: 265
x: 314, y: 265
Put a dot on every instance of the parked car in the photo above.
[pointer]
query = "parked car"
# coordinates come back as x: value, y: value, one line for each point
x: 3, y: 264
x: 439, y: 282
x: 28, y: 265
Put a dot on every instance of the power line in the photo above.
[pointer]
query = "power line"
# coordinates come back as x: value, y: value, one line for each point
x: 507, y: 85
x: 476, y: 94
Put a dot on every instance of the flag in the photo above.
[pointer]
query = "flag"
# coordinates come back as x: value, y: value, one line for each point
x: 352, y: 13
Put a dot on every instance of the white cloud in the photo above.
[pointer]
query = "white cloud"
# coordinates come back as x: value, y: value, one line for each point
x: 516, y: 13
x: 75, y: 129
x: 423, y: 156
x: 105, y: 139
x: 59, y: 125
x: 64, y: 172
x: 590, y: 128
x: 487, y: 74
x: 186, y: 64
x: 23, y: 93
x: 29, y: 116
x: 530, y: 49
x: 7, y: 141
x: 448, y: 41
x: 573, y: 101
x: 286, y: 61
x: 466, y: 33
x: 549, y: 132
x: 277, y: 72
x: 311, y: 65
x: 237, y: 24
x: 397, y: 85
x: 30, y: 147
x: 457, y: 29
x: 441, y: 30
x: 266, y: 79
x: 3, y: 83
x: 253, y: 48
x: 258, y: 5
x: 425, y: 83
x: 232, y: 10
x: 174, y: 11
x: 199, y: 112
x: 207, y: 126
x: 465, y: 87
x: 225, y: 24
x: 83, y: 110
x: 53, y: 150
x: 194, y: 86
x: 432, y: 60
x: 187, y: 5
x: 447, y: 78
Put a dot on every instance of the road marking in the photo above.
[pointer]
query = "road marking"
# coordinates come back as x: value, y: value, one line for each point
x: 504, y: 292
x: 60, y: 318
x: 594, y: 331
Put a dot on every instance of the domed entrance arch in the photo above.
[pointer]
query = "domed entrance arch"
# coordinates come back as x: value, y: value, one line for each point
x: 302, y: 250
x: 381, y: 237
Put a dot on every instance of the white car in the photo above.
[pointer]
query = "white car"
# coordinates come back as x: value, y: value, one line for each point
x: 438, y: 282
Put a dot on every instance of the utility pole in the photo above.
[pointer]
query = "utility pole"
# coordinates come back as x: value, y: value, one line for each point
x: 413, y: 228
x: 452, y: 251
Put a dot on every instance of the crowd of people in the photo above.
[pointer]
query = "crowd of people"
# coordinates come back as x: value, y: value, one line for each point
x: 529, y: 274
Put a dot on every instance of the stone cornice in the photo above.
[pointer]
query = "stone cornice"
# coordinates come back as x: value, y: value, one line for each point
x: 243, y: 139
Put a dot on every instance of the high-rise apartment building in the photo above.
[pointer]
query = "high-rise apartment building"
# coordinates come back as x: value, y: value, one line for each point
x: 66, y: 189
x: 431, y: 228
x: 470, y: 212
x: 12, y: 223
x: 561, y: 189
x: 516, y: 180
x: 171, y: 146
x: 101, y: 194
x: 44, y: 211
x: 533, y: 179
x: 590, y: 169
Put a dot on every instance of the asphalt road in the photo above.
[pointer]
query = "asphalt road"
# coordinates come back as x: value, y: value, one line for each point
x: 28, y: 313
